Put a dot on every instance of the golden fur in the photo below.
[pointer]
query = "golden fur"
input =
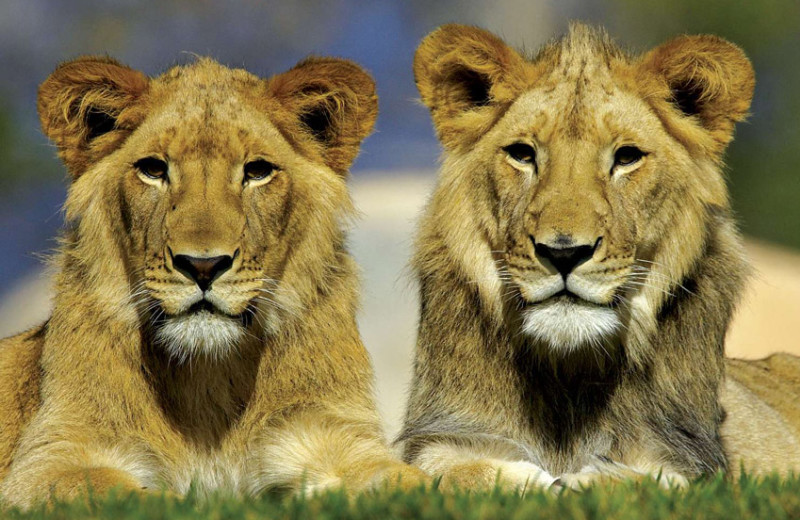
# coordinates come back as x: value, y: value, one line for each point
x: 610, y: 364
x: 129, y: 383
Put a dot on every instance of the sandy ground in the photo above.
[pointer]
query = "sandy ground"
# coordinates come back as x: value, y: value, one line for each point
x: 381, y: 243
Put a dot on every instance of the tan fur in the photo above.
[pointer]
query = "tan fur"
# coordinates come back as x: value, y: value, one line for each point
x: 614, y: 368
x: 20, y: 378
x: 762, y: 428
x: 271, y: 390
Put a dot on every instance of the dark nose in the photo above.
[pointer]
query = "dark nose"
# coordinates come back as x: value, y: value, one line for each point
x: 564, y: 255
x: 202, y: 270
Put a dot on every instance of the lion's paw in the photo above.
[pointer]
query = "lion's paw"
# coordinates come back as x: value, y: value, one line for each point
x: 524, y: 475
x: 612, y: 473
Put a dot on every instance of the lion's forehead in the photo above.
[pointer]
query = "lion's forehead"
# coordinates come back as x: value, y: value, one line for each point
x: 205, y: 93
x: 583, y: 88
x: 194, y: 122
x: 594, y: 110
x: 200, y: 108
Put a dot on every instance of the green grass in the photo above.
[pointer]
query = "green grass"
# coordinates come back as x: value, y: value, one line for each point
x: 770, y: 498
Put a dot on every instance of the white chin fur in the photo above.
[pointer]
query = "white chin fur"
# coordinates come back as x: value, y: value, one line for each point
x: 200, y: 333
x: 569, y: 325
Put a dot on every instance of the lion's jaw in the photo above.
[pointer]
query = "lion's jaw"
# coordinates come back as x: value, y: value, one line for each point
x: 203, y: 332
x: 205, y: 328
x: 569, y: 313
x: 566, y: 324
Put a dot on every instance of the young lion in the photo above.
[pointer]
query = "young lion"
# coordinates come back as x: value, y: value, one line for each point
x: 204, y: 318
x: 579, y: 265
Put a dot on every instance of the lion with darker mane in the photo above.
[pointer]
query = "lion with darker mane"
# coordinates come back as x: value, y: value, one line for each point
x: 579, y: 265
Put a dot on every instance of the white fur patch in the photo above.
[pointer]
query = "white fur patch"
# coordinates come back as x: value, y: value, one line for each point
x: 524, y: 475
x: 569, y: 325
x: 309, y: 490
x: 202, y: 333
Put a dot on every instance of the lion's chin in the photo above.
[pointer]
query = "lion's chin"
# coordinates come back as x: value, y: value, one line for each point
x: 567, y: 324
x: 201, y: 333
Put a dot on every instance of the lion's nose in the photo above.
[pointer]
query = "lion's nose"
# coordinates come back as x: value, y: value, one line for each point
x: 203, y: 271
x: 564, y: 255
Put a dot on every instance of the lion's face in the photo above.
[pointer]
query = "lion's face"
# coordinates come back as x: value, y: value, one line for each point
x: 221, y: 188
x: 213, y: 180
x: 587, y: 198
x: 574, y: 185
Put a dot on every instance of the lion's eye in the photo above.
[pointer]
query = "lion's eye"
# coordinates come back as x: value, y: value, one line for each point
x: 521, y: 152
x: 258, y: 170
x: 627, y: 155
x: 152, y: 168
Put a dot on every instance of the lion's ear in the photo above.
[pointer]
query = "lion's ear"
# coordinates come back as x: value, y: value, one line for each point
x: 85, y: 108
x: 708, y: 78
x: 463, y: 74
x: 335, y: 102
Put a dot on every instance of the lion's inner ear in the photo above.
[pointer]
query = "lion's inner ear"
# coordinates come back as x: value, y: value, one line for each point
x: 708, y: 78
x: 87, y: 107
x: 460, y: 70
x: 469, y: 87
x: 318, y: 119
x: 98, y: 123
x: 335, y: 103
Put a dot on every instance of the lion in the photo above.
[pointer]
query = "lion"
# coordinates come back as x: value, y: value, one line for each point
x: 203, y: 330
x: 578, y: 267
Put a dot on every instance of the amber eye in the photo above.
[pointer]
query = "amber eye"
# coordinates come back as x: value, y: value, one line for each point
x: 258, y: 170
x: 627, y: 155
x: 521, y: 152
x: 152, y: 168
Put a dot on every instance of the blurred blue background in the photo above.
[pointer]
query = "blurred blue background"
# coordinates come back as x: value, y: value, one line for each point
x: 269, y: 37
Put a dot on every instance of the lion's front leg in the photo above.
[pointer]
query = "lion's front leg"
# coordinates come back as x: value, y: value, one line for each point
x: 65, y: 472
x: 315, y: 452
x: 467, y: 466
